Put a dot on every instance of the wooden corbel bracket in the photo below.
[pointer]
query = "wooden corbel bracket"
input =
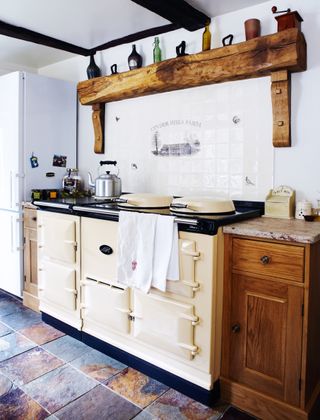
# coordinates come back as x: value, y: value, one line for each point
x: 281, y: 108
x: 98, y: 111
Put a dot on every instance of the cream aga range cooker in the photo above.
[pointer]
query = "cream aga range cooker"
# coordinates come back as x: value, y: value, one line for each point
x: 173, y: 336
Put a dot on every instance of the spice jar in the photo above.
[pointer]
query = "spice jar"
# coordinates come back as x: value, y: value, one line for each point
x: 72, y: 181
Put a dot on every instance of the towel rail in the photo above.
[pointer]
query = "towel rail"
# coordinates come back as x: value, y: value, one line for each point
x: 185, y: 221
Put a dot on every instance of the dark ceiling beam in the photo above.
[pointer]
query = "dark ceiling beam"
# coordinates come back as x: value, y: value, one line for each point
x: 136, y: 37
x: 27, y: 35
x: 178, y: 12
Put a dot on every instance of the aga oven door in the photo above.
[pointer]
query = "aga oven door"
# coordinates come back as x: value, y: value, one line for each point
x: 57, y: 236
x: 105, y: 306
x: 189, y: 255
x: 58, y: 285
x: 165, y: 324
x: 99, y: 249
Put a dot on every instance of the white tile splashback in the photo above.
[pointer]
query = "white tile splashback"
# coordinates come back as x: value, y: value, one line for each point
x: 232, y: 121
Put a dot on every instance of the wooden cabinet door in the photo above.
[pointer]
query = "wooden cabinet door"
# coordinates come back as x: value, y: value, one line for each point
x: 265, y: 336
x: 30, y: 261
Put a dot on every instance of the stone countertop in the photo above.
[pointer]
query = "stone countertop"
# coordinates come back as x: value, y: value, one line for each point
x: 292, y: 230
x: 29, y: 205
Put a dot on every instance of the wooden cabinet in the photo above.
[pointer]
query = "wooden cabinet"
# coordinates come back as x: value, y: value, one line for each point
x: 30, y: 286
x: 269, y: 367
x: 265, y: 336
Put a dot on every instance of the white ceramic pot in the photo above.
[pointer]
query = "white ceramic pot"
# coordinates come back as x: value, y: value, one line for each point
x: 303, y: 208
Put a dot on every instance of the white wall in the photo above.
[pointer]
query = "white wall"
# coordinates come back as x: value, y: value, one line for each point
x: 6, y: 68
x: 129, y: 139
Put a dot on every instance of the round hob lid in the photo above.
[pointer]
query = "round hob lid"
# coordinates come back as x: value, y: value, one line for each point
x: 202, y: 205
x: 145, y: 200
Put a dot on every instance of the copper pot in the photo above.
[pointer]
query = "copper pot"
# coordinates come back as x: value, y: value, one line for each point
x: 252, y: 28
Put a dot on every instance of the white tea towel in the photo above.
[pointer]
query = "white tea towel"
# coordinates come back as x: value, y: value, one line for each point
x: 136, y: 249
x: 165, y: 252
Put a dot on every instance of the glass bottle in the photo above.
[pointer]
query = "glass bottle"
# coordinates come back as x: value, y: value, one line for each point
x: 206, y: 38
x: 134, y: 59
x: 93, y: 70
x: 156, y: 51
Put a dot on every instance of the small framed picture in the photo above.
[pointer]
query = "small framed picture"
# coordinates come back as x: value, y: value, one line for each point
x: 59, y: 160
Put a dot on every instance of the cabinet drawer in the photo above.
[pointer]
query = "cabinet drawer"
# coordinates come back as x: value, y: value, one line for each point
x: 30, y: 218
x: 272, y: 259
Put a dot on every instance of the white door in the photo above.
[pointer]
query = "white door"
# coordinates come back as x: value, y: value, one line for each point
x: 57, y: 237
x: 164, y: 323
x: 11, y: 273
x: 105, y: 305
x: 10, y: 136
x: 50, y: 129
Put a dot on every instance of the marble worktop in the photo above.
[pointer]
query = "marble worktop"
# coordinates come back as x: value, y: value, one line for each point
x: 292, y: 230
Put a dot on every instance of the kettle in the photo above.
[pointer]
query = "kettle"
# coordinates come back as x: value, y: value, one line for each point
x: 106, y: 185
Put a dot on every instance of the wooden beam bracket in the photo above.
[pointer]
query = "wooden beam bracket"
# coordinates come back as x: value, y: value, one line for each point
x: 281, y: 108
x: 98, y: 127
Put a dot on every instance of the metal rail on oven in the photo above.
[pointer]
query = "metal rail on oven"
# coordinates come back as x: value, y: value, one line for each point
x: 183, y: 221
x: 54, y: 204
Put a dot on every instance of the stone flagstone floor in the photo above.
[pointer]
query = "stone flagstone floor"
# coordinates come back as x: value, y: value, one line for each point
x: 47, y: 374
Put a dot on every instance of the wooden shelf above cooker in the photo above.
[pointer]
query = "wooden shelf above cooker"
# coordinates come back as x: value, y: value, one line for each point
x: 278, y: 54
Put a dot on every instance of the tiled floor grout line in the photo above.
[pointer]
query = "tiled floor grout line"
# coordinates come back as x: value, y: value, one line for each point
x: 69, y: 363
x: 65, y: 364
x: 81, y: 372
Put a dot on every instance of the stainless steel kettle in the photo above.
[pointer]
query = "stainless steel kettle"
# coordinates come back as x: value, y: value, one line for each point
x: 106, y: 185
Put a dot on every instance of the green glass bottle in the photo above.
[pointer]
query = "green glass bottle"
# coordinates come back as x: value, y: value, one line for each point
x: 206, y: 38
x: 156, y: 51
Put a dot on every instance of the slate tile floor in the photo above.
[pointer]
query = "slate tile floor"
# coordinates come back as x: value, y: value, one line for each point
x: 46, y: 374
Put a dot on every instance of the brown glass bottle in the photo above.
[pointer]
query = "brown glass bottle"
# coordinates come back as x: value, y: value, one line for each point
x: 206, y: 38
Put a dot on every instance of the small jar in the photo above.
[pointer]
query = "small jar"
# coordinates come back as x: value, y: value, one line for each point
x: 72, y: 181
x: 303, y: 208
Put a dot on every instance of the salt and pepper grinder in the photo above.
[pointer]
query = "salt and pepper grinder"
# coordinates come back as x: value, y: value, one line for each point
x: 92, y: 69
x: 156, y: 51
x: 206, y: 38
x: 134, y: 59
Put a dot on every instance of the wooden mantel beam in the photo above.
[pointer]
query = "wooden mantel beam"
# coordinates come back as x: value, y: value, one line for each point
x: 276, y: 55
x: 258, y: 57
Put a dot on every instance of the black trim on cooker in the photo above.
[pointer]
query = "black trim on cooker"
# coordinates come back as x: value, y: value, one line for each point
x: 205, y: 225
x: 239, y: 204
x: 61, y: 326
x: 188, y: 388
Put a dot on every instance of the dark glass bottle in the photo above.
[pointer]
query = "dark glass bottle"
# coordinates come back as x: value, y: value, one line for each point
x: 134, y: 59
x: 92, y: 69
